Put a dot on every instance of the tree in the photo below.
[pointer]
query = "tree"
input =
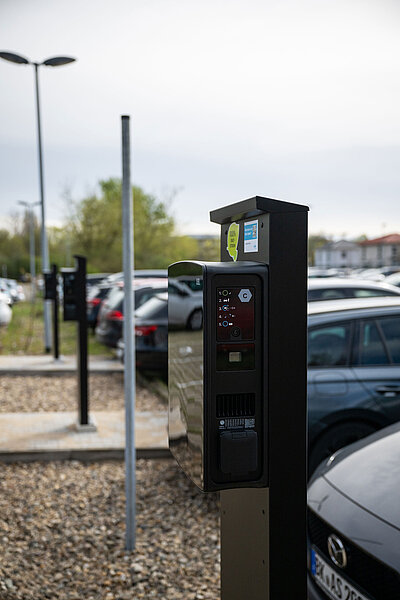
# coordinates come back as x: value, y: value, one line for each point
x: 13, y: 253
x: 209, y: 248
x: 96, y: 230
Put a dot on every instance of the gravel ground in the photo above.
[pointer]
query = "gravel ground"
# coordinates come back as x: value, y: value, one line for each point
x: 62, y: 524
x: 62, y: 533
x: 59, y: 393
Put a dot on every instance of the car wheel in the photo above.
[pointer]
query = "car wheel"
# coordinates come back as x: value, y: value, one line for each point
x: 335, y: 438
x: 195, y: 320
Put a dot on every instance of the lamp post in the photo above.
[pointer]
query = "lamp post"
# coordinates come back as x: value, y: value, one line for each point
x: 29, y: 209
x: 56, y: 61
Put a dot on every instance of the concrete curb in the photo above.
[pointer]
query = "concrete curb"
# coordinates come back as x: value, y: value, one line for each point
x: 49, y: 373
x: 46, y: 366
x: 80, y: 455
x: 55, y: 435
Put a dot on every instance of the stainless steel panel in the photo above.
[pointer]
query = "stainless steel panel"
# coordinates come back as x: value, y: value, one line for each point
x: 185, y: 368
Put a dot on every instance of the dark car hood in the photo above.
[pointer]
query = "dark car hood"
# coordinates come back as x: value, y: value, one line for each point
x: 368, y: 472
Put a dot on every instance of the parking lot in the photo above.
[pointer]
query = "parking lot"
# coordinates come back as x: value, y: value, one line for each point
x: 69, y: 515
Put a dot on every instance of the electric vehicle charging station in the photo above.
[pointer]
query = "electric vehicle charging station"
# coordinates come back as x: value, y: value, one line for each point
x: 228, y: 400
x: 237, y: 394
x: 75, y: 309
x: 50, y: 284
x: 51, y: 293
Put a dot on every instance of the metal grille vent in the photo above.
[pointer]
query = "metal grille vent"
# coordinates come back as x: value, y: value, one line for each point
x: 235, y: 405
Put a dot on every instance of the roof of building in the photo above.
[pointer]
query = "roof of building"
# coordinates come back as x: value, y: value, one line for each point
x: 339, y: 245
x: 391, y: 238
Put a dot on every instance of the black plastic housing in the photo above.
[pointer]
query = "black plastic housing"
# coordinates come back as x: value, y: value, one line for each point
x: 74, y: 292
x: 50, y: 285
x: 218, y: 406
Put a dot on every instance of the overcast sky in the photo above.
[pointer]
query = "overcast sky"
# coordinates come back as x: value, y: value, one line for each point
x: 290, y: 99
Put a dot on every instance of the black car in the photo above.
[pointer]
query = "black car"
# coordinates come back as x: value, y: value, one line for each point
x: 151, y: 335
x: 353, y: 371
x: 111, y: 315
x: 354, y: 522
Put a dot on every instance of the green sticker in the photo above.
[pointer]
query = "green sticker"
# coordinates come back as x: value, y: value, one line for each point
x: 233, y: 239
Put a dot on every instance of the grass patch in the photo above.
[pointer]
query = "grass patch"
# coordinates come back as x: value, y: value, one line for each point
x: 25, y: 333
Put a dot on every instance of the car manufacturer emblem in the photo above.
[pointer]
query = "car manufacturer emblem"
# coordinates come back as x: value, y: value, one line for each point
x: 337, y: 551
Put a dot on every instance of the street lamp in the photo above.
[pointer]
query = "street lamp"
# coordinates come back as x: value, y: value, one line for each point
x: 56, y: 61
x: 29, y: 209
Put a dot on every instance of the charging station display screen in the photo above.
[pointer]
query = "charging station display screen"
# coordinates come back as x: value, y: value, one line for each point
x: 235, y: 315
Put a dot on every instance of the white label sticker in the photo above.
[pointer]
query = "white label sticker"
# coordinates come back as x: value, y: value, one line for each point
x: 251, y: 236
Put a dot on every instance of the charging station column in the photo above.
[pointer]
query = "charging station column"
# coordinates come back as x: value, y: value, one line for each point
x: 51, y: 293
x: 74, y: 303
x: 263, y: 530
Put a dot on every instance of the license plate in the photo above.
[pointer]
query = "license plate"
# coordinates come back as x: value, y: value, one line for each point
x: 333, y: 584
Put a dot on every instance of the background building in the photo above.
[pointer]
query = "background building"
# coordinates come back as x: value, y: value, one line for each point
x: 378, y: 252
x: 382, y: 251
x: 342, y: 254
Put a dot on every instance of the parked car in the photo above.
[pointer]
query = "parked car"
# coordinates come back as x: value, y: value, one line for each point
x: 353, y: 371
x: 185, y: 304
x: 16, y: 290
x: 389, y: 270
x: 93, y: 279
x: 333, y: 288
x: 393, y: 279
x: 151, y: 335
x: 140, y: 274
x: 374, y: 274
x: 5, y: 290
x: 111, y: 313
x: 96, y: 295
x: 5, y: 311
x: 321, y: 272
x: 354, y: 522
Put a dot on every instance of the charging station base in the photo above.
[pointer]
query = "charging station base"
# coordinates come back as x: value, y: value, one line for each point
x: 86, y: 428
x: 244, y: 544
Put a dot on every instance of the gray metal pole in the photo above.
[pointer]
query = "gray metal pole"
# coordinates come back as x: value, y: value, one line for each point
x: 44, y: 243
x: 129, y: 339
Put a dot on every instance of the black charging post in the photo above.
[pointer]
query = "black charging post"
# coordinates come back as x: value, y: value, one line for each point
x: 237, y: 376
x: 74, y: 304
x: 263, y: 531
x: 51, y: 293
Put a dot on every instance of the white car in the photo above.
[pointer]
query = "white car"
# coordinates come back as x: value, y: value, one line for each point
x: 185, y: 306
x: 335, y: 288
x: 5, y: 292
x: 393, y: 279
x: 5, y: 311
